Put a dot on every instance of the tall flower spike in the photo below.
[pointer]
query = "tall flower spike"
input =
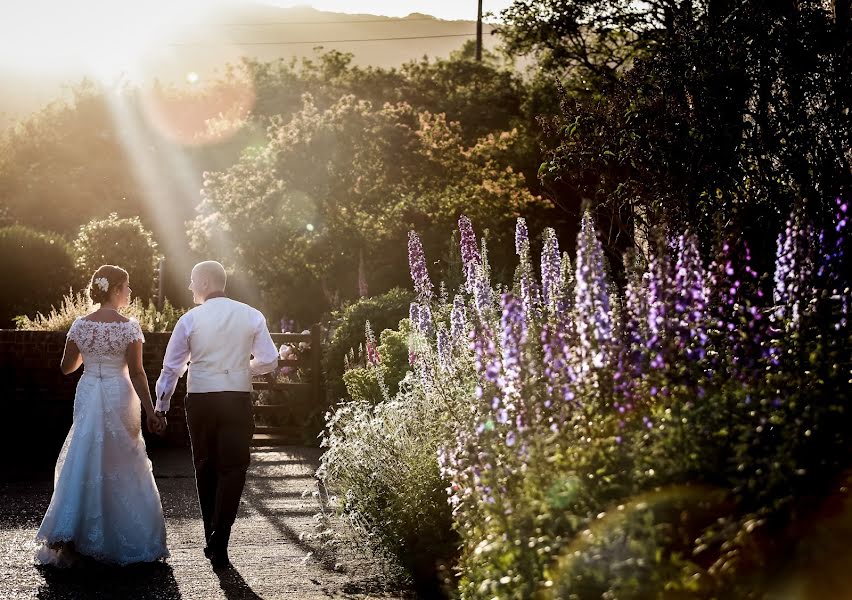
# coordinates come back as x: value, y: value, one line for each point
x: 458, y: 320
x: 529, y: 293
x: 469, y: 252
x: 417, y: 263
x: 790, y: 271
x: 513, y: 341
x: 444, y: 348
x: 551, y: 271
x: 425, y: 324
x: 691, y: 296
x: 593, y: 319
x: 522, y: 237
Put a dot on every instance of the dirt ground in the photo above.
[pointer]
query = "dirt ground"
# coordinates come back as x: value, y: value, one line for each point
x: 272, y: 551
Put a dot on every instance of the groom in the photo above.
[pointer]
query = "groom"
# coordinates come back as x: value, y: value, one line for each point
x: 217, y: 338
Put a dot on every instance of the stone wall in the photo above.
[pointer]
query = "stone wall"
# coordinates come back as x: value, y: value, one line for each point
x: 38, y: 400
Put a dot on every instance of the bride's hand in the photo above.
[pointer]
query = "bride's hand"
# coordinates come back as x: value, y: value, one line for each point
x: 153, y: 422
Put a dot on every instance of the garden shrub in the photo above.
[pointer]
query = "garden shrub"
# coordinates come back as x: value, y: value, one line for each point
x: 36, y: 268
x: 347, y: 332
x: 76, y: 305
x: 363, y: 382
x: 122, y: 242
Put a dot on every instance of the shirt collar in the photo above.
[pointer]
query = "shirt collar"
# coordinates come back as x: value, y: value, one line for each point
x: 215, y: 295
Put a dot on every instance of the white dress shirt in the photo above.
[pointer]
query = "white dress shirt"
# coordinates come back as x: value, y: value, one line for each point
x: 178, y: 354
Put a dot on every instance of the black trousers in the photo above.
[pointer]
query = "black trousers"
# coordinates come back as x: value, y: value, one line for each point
x: 220, y: 426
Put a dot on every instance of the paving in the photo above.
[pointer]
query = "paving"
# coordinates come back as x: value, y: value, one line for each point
x: 273, y: 551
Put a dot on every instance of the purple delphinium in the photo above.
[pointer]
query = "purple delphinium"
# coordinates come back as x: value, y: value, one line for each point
x: 444, y: 348
x: 793, y: 270
x: 566, y: 293
x: 513, y: 339
x: 559, y: 374
x: 417, y: 263
x: 551, y: 271
x: 633, y: 351
x: 482, y: 294
x: 840, y: 271
x: 522, y: 237
x: 425, y: 324
x: 458, y: 320
x: 690, y: 299
x: 522, y: 247
x: 471, y: 259
x: 591, y: 301
x: 513, y: 325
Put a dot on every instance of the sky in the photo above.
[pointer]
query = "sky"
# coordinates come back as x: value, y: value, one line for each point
x: 105, y: 35
x: 443, y: 9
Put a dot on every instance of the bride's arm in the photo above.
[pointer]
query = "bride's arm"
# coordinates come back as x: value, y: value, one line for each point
x: 138, y: 376
x: 71, y: 359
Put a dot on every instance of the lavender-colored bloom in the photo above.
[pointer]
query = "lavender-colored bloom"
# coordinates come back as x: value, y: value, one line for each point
x: 514, y: 336
x: 522, y: 237
x: 486, y: 357
x: 792, y: 270
x: 551, y: 271
x: 558, y: 371
x: 444, y: 349
x: 593, y: 319
x: 458, y: 319
x: 529, y: 293
x: 424, y: 322
x: 691, y: 297
x: 417, y: 263
x: 482, y: 293
x: 471, y: 259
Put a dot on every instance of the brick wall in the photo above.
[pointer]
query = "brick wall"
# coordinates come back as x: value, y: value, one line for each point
x: 38, y: 400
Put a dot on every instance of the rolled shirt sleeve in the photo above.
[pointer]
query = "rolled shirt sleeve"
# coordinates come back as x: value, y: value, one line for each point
x: 174, y: 362
x: 264, y: 352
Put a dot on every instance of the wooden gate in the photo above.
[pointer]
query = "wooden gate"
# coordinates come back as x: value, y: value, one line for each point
x: 283, y: 401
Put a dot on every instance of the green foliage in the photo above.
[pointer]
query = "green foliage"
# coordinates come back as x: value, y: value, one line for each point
x: 380, y: 465
x: 76, y: 305
x: 121, y: 242
x: 36, y: 268
x: 347, y: 327
x: 362, y: 383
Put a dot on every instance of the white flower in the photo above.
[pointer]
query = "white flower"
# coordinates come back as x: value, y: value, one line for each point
x: 102, y: 283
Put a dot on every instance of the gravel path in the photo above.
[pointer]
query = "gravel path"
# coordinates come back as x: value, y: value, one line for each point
x: 271, y: 549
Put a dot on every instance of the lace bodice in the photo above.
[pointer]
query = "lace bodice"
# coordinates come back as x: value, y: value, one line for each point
x: 99, y: 340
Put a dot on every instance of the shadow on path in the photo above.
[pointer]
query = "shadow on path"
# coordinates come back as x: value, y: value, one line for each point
x: 234, y: 586
x: 147, y: 581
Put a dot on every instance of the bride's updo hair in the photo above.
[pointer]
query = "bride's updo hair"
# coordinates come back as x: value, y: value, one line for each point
x: 114, y: 276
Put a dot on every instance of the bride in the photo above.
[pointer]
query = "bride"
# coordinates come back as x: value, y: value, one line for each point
x: 105, y: 502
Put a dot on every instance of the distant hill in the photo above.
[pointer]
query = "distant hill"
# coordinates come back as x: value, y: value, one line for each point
x: 258, y: 31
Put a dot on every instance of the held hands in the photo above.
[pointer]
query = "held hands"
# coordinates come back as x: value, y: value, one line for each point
x: 157, y: 422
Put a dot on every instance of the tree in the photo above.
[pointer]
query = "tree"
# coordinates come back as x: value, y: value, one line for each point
x: 736, y: 110
x: 122, y: 242
x: 330, y: 184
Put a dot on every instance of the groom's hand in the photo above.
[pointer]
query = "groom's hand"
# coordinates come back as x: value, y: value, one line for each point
x: 162, y: 422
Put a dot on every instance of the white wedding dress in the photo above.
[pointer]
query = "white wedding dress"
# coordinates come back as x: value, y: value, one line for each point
x: 105, y: 499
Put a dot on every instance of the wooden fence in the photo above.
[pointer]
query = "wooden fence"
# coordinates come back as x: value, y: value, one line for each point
x: 283, y: 402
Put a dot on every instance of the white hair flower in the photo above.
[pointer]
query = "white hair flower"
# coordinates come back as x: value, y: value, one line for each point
x: 102, y: 283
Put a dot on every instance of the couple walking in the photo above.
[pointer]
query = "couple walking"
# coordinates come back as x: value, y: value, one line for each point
x: 105, y: 502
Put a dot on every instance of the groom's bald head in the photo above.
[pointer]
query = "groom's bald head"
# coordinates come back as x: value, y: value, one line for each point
x: 212, y: 273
